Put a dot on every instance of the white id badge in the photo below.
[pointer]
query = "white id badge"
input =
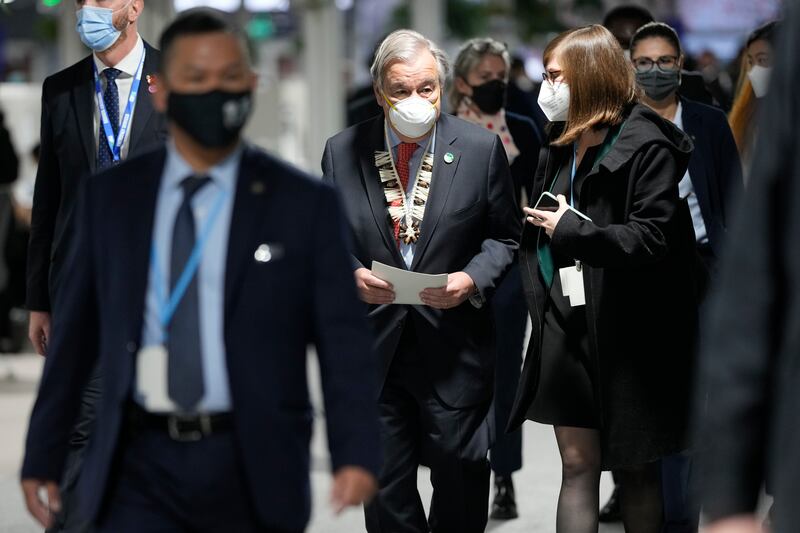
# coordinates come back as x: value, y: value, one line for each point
x: 562, y: 273
x: 572, y: 281
x: 151, y: 379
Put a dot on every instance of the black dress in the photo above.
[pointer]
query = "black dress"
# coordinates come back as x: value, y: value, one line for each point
x: 565, y: 394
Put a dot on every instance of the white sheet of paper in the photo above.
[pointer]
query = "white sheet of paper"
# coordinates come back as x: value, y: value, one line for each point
x: 151, y: 379
x: 407, y: 284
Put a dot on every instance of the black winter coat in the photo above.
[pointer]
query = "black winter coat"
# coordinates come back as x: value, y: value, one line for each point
x: 638, y: 256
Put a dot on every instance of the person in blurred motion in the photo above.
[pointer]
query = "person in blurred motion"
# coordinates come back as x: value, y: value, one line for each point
x: 193, y: 281
x: 478, y: 95
x: 430, y: 193
x: 752, y: 89
x: 712, y: 180
x: 749, y: 388
x: 89, y: 122
x: 522, y: 93
x: 623, y: 21
x: 9, y: 169
x: 609, y: 279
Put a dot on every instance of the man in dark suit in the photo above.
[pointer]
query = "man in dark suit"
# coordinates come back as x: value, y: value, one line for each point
x: 429, y: 193
x: 204, y: 422
x: 748, y: 393
x: 76, y: 141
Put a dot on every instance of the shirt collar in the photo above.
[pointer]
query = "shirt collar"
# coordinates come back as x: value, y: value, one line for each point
x: 223, y: 174
x: 678, y: 120
x: 129, y: 64
x: 395, y: 141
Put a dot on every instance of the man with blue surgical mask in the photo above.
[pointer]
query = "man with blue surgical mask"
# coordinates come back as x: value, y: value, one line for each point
x: 95, y: 114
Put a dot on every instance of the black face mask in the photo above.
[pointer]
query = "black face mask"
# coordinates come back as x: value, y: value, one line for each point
x: 659, y: 85
x: 490, y: 97
x: 213, y: 119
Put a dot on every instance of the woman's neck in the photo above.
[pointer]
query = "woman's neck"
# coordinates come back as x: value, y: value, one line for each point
x: 589, y: 138
x: 666, y: 108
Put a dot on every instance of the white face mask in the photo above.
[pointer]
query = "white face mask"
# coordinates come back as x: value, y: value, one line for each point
x: 759, y: 79
x: 412, y: 117
x: 554, y: 100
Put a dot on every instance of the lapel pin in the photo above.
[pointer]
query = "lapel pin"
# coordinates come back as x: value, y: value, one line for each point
x: 263, y: 254
x: 449, y: 157
x: 151, y: 88
x: 257, y: 187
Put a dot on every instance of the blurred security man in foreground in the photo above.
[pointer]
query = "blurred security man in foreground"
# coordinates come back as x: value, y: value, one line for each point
x: 198, y: 279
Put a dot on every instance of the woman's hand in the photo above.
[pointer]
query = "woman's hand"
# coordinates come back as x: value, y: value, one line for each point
x: 547, y: 219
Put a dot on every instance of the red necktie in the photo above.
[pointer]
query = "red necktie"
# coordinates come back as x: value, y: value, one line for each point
x: 404, y: 153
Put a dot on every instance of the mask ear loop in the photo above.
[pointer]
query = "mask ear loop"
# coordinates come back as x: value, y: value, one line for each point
x: 387, y: 99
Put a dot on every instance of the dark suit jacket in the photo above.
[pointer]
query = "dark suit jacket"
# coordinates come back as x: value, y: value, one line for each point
x: 471, y: 224
x: 528, y: 138
x: 68, y: 156
x: 714, y: 168
x: 273, y: 310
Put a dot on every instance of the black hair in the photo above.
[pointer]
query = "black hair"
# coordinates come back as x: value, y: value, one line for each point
x: 197, y: 22
x: 628, y: 12
x: 766, y: 32
x: 657, y: 29
x: 35, y: 151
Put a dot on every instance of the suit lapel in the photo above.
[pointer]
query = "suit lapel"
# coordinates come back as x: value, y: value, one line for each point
x: 144, y: 103
x: 441, y: 182
x: 248, y: 215
x: 142, y: 201
x: 372, y: 184
x: 83, y: 103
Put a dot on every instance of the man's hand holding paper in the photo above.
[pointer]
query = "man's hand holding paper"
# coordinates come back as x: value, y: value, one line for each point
x: 440, y: 291
x: 459, y: 288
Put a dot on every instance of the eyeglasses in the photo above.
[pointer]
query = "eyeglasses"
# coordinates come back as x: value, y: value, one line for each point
x: 551, y: 76
x: 664, y: 63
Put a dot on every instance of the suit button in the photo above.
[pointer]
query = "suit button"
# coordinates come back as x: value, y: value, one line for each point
x: 132, y: 347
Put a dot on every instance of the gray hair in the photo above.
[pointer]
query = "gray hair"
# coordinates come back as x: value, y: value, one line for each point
x: 469, y: 56
x: 404, y: 45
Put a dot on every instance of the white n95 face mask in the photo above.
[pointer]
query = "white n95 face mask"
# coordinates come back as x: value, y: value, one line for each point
x: 412, y: 117
x: 554, y: 100
x: 759, y: 79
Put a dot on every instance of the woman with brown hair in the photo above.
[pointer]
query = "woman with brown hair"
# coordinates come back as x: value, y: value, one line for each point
x: 609, y: 283
x: 751, y: 88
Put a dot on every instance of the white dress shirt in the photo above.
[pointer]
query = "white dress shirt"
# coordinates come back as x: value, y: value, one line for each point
x: 686, y: 190
x: 128, y: 67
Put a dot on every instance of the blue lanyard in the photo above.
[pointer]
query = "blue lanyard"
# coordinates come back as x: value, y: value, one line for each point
x: 167, y: 306
x: 115, y: 144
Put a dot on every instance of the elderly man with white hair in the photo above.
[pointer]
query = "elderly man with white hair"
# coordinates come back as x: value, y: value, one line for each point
x: 429, y: 193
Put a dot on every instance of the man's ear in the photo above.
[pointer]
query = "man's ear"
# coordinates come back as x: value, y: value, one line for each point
x: 379, y: 98
x: 133, y: 14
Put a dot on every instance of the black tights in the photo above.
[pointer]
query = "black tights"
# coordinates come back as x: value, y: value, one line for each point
x: 578, y: 501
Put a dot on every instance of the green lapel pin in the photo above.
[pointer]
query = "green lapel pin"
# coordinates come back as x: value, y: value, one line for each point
x: 449, y: 157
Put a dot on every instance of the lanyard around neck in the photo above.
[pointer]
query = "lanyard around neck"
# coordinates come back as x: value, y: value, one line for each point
x: 115, y: 142
x: 608, y: 144
x: 168, y: 304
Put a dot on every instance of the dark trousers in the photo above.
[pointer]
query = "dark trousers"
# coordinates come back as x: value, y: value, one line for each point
x: 511, y: 317
x: 678, y: 477
x: 69, y: 520
x: 418, y: 428
x: 161, y: 485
